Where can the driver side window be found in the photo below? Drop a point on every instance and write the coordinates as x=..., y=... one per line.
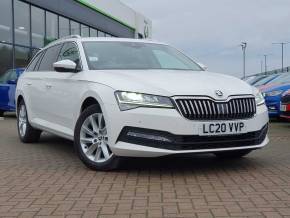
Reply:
x=70, y=51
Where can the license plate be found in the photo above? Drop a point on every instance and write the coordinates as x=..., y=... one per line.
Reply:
x=222, y=128
x=283, y=107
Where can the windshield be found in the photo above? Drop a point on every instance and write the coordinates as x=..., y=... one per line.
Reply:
x=284, y=78
x=257, y=79
x=135, y=55
x=265, y=80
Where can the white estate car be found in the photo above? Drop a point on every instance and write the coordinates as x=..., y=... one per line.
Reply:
x=131, y=98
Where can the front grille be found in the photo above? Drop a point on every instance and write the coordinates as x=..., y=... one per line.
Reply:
x=209, y=109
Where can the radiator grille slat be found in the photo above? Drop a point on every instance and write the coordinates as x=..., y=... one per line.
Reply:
x=207, y=109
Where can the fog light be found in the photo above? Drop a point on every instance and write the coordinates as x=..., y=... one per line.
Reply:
x=147, y=136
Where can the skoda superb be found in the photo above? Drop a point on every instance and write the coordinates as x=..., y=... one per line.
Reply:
x=130, y=98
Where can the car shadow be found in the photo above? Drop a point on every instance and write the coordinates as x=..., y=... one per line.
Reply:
x=51, y=144
x=172, y=163
x=190, y=162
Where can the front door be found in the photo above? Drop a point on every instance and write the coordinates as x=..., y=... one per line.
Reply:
x=62, y=90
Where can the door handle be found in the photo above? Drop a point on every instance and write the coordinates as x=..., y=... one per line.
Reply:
x=28, y=84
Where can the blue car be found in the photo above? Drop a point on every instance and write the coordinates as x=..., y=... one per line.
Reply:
x=273, y=96
x=8, y=83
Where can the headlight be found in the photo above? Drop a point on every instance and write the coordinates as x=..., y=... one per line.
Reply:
x=131, y=100
x=274, y=93
x=259, y=98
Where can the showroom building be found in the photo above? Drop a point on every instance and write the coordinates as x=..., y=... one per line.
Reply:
x=27, y=25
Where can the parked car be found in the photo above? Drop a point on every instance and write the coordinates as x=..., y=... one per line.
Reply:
x=273, y=96
x=253, y=79
x=282, y=79
x=266, y=80
x=285, y=105
x=248, y=78
x=7, y=89
x=123, y=97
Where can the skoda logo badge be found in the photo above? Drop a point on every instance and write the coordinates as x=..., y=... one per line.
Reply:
x=219, y=93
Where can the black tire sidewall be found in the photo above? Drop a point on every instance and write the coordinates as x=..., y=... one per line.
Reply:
x=110, y=164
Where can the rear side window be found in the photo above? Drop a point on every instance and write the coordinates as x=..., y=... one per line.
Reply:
x=33, y=63
x=49, y=58
x=70, y=52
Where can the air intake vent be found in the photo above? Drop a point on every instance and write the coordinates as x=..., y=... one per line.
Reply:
x=208, y=109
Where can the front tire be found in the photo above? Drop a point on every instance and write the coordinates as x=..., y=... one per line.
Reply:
x=1, y=113
x=26, y=132
x=232, y=154
x=91, y=141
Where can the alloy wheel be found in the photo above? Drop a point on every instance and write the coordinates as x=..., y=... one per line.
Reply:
x=22, y=120
x=94, y=139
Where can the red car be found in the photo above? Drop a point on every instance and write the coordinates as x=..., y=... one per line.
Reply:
x=285, y=105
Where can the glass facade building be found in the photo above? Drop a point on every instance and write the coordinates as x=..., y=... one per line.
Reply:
x=27, y=25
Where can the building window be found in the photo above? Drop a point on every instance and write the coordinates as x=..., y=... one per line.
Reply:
x=22, y=23
x=5, y=21
x=93, y=32
x=5, y=58
x=85, y=31
x=74, y=28
x=22, y=56
x=63, y=27
x=37, y=27
x=51, y=27
x=101, y=34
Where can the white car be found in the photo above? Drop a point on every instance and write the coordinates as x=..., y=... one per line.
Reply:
x=131, y=98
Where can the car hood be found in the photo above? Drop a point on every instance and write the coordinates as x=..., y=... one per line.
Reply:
x=171, y=82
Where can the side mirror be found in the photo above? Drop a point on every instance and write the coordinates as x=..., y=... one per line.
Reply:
x=203, y=66
x=65, y=66
x=12, y=82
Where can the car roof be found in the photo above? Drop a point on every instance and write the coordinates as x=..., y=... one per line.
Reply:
x=76, y=38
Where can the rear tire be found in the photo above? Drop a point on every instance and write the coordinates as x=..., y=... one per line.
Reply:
x=26, y=132
x=91, y=141
x=1, y=113
x=232, y=154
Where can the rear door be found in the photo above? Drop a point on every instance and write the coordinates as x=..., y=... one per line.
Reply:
x=31, y=80
x=40, y=88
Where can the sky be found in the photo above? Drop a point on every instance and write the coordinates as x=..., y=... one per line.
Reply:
x=211, y=31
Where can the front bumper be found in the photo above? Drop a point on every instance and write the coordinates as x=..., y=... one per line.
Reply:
x=171, y=122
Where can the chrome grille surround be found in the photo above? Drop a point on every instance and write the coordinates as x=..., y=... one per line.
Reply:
x=207, y=108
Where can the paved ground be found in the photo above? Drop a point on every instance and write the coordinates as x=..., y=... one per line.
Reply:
x=47, y=179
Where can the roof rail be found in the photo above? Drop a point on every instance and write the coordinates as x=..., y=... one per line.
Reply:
x=70, y=37
x=66, y=37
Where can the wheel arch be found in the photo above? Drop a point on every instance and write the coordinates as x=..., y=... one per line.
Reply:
x=89, y=101
x=19, y=99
